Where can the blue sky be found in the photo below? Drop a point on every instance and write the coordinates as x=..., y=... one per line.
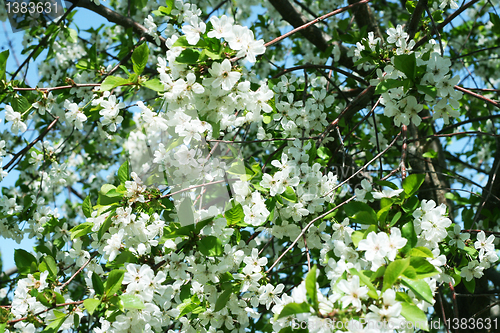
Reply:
x=85, y=19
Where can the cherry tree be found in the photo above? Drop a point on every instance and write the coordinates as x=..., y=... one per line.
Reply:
x=252, y=166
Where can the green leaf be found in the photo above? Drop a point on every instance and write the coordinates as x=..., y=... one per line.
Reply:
x=294, y=308
x=496, y=23
x=394, y=270
x=210, y=246
x=430, y=154
x=408, y=232
x=105, y=226
x=97, y=284
x=235, y=215
x=140, y=58
x=131, y=302
x=188, y=56
x=428, y=90
x=3, y=64
x=81, y=230
x=123, y=173
x=311, y=291
x=182, y=41
x=164, y=11
x=410, y=273
x=114, y=282
x=356, y=236
x=410, y=6
x=407, y=64
x=20, y=104
x=361, y=212
x=414, y=315
x=412, y=183
x=91, y=304
x=421, y=251
x=51, y=265
x=222, y=300
x=395, y=219
x=154, y=84
x=56, y=323
x=23, y=260
x=87, y=207
x=71, y=35
x=470, y=285
x=186, y=307
x=324, y=153
x=423, y=267
x=387, y=84
x=112, y=82
x=289, y=194
x=419, y=287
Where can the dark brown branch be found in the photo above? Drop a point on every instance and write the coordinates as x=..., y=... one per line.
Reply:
x=415, y=18
x=364, y=18
x=119, y=19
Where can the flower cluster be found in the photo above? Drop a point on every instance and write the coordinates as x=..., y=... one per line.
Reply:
x=413, y=79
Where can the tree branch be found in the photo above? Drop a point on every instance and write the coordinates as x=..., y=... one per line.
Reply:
x=119, y=19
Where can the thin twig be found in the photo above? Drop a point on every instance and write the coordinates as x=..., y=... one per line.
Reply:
x=338, y=70
x=28, y=147
x=364, y=166
x=321, y=18
x=305, y=229
x=486, y=99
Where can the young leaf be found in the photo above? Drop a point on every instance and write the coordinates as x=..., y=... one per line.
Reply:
x=294, y=308
x=97, y=284
x=140, y=58
x=222, y=300
x=114, y=281
x=414, y=315
x=361, y=212
x=87, y=207
x=188, y=56
x=387, y=84
x=412, y=183
x=132, y=302
x=407, y=64
x=235, y=215
x=420, y=288
x=311, y=290
x=423, y=267
x=51, y=265
x=210, y=246
x=81, y=230
x=105, y=226
x=123, y=173
x=23, y=260
x=91, y=304
x=154, y=84
x=394, y=271
x=112, y=82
